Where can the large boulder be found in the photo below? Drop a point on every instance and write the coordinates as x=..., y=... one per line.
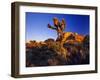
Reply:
x=69, y=37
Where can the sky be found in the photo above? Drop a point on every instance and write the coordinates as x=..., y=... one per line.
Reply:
x=36, y=25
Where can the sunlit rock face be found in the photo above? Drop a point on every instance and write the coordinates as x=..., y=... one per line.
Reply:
x=69, y=37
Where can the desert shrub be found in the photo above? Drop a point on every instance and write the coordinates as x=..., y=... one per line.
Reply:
x=49, y=40
x=54, y=46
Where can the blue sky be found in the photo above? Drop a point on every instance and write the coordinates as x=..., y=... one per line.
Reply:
x=36, y=25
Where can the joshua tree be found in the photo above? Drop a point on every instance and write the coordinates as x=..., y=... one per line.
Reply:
x=59, y=27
